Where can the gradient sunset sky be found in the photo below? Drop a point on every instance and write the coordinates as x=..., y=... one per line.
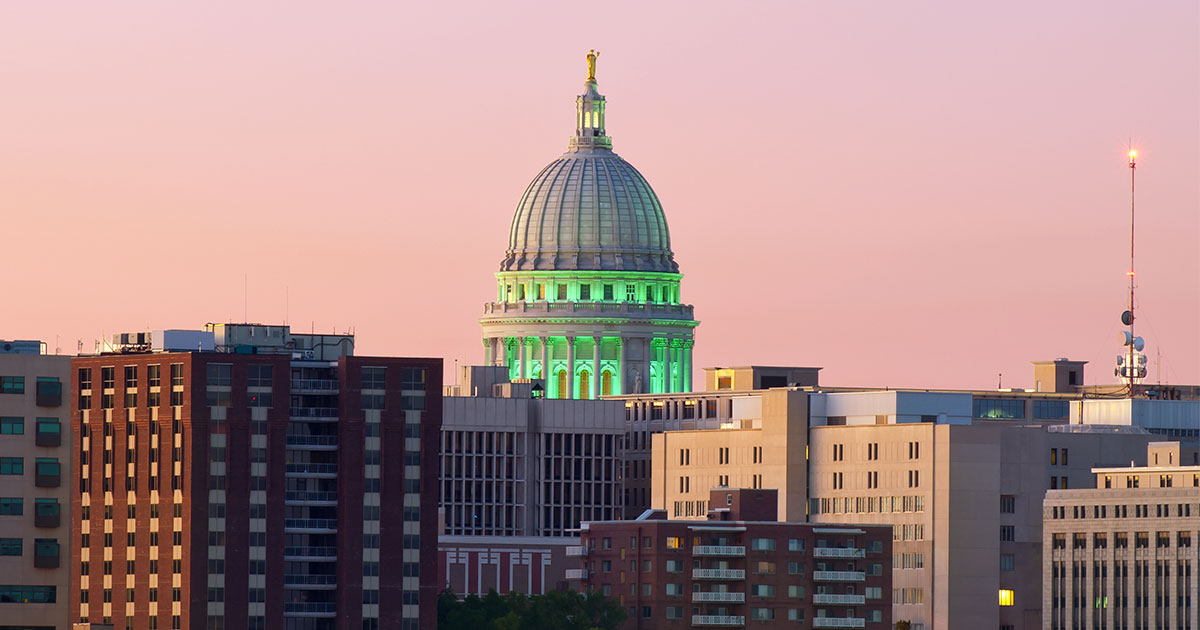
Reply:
x=906, y=193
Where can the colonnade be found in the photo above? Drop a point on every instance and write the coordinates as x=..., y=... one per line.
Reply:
x=616, y=365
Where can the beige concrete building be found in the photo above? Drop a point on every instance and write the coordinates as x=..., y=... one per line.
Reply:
x=1124, y=554
x=35, y=549
x=959, y=476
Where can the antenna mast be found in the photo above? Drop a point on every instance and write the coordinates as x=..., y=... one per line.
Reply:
x=1132, y=365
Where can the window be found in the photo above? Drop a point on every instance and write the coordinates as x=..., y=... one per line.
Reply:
x=762, y=613
x=585, y=292
x=11, y=506
x=766, y=568
x=1007, y=562
x=374, y=378
x=795, y=568
x=1005, y=408
x=220, y=375
x=12, y=466
x=914, y=450
x=795, y=614
x=562, y=292
x=795, y=544
x=674, y=612
x=630, y=293
x=12, y=384
x=1007, y=533
x=1006, y=597
x=1008, y=504
x=762, y=544
x=796, y=591
x=1051, y=409
x=259, y=375
x=608, y=293
x=12, y=426
x=153, y=375
x=28, y=594
x=10, y=546
x=674, y=542
x=763, y=590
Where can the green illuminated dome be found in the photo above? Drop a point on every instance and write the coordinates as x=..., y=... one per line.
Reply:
x=589, y=209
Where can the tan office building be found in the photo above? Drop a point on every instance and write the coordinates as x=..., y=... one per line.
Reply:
x=959, y=479
x=1124, y=554
x=35, y=556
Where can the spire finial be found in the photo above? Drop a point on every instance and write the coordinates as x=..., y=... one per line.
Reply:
x=591, y=61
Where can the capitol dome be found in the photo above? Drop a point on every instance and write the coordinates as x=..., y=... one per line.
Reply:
x=589, y=209
x=588, y=297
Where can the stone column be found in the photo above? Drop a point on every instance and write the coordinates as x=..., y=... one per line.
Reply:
x=596, y=367
x=545, y=363
x=622, y=386
x=668, y=381
x=571, y=367
x=687, y=365
x=487, y=351
x=647, y=348
x=522, y=364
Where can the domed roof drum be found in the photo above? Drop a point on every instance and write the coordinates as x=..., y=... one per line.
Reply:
x=589, y=209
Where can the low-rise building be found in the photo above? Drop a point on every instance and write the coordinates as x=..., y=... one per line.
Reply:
x=1125, y=553
x=738, y=567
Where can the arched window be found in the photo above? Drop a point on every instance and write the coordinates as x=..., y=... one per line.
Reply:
x=585, y=385
x=562, y=384
x=606, y=383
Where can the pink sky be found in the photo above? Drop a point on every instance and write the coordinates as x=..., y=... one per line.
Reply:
x=908, y=194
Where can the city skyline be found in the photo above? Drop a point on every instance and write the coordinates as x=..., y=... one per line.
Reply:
x=867, y=202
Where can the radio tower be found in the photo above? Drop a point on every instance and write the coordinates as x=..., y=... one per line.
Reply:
x=1131, y=366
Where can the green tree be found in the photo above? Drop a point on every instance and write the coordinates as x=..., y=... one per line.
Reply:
x=561, y=610
x=903, y=625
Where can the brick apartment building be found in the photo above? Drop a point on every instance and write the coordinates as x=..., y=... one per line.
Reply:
x=247, y=477
x=740, y=567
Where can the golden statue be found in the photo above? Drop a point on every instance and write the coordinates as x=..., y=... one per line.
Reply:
x=591, y=58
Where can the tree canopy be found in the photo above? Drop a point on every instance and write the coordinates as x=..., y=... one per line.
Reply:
x=565, y=610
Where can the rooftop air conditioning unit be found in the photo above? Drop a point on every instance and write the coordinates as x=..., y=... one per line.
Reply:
x=310, y=355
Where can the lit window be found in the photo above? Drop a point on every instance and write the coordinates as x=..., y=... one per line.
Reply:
x=1006, y=597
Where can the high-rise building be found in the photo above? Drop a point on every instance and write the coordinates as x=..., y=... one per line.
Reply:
x=520, y=472
x=1124, y=554
x=35, y=496
x=517, y=464
x=739, y=566
x=246, y=476
x=958, y=475
x=588, y=293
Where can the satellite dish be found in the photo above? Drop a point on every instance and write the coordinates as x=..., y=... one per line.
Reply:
x=1127, y=318
x=1120, y=359
x=1128, y=338
x=1138, y=344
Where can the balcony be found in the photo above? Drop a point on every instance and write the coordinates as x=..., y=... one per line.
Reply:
x=314, y=442
x=718, y=574
x=314, y=385
x=313, y=413
x=47, y=515
x=47, y=480
x=577, y=551
x=310, y=469
x=310, y=609
x=49, y=393
x=310, y=580
x=839, y=599
x=301, y=525
x=577, y=574
x=504, y=310
x=838, y=552
x=715, y=596
x=839, y=622
x=310, y=554
x=839, y=576
x=47, y=438
x=718, y=620
x=300, y=496
x=728, y=551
